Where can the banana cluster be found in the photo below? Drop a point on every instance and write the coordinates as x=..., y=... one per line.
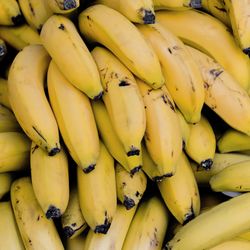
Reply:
x=124, y=125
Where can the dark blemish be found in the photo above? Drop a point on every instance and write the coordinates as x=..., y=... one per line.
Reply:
x=215, y=72
x=54, y=151
x=103, y=229
x=34, y=149
x=88, y=17
x=183, y=144
x=69, y=4
x=178, y=240
x=220, y=9
x=123, y=84
x=17, y=201
x=53, y=212
x=38, y=218
x=206, y=85
x=31, y=9
x=154, y=242
x=124, y=184
x=172, y=153
x=99, y=96
x=196, y=4
x=128, y=202
x=167, y=101
x=160, y=178
x=68, y=232
x=149, y=17
x=39, y=133
x=135, y=170
x=30, y=242
x=189, y=216
x=137, y=194
x=133, y=151
x=207, y=164
x=170, y=51
x=73, y=224
x=247, y=51
x=89, y=168
x=61, y=27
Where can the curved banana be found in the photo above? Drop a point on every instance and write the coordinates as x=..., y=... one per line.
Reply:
x=233, y=245
x=10, y=13
x=50, y=180
x=15, y=150
x=115, y=237
x=75, y=119
x=163, y=132
x=3, y=49
x=183, y=78
x=28, y=100
x=122, y=99
x=63, y=6
x=203, y=32
x=111, y=141
x=9, y=234
x=180, y=192
x=129, y=188
x=148, y=227
x=73, y=223
x=176, y=5
x=77, y=243
x=97, y=193
x=201, y=144
x=4, y=93
x=8, y=122
x=5, y=183
x=137, y=11
x=100, y=23
x=36, y=230
x=76, y=62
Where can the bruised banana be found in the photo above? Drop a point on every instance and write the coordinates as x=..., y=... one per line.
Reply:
x=5, y=183
x=63, y=6
x=4, y=93
x=10, y=13
x=176, y=5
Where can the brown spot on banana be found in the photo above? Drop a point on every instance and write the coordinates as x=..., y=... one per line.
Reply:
x=61, y=27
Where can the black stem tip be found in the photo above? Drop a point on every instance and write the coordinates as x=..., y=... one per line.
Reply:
x=54, y=151
x=135, y=170
x=99, y=96
x=68, y=232
x=69, y=4
x=102, y=229
x=188, y=217
x=89, y=168
x=247, y=51
x=53, y=212
x=133, y=151
x=149, y=17
x=18, y=20
x=128, y=202
x=207, y=164
x=160, y=178
x=195, y=4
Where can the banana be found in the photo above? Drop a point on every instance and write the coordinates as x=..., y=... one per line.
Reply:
x=15, y=149
x=75, y=119
x=4, y=95
x=148, y=227
x=122, y=99
x=163, y=136
x=183, y=77
x=50, y=180
x=111, y=141
x=10, y=13
x=20, y=36
x=203, y=31
x=185, y=128
x=75, y=62
x=220, y=223
x=73, y=223
x=35, y=12
x=238, y=12
x=97, y=193
x=3, y=49
x=117, y=232
x=137, y=11
x=9, y=234
x=5, y=183
x=129, y=188
x=8, y=122
x=217, y=9
x=176, y=5
x=180, y=192
x=36, y=230
x=100, y=23
x=28, y=100
x=77, y=243
x=233, y=245
x=201, y=144
x=223, y=94
x=63, y=6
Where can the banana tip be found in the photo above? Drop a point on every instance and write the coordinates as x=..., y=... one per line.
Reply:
x=53, y=212
x=149, y=17
x=102, y=229
x=68, y=232
x=54, y=151
x=247, y=51
x=89, y=168
x=207, y=164
x=128, y=202
x=18, y=20
x=99, y=96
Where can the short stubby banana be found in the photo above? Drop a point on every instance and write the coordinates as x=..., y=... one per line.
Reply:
x=67, y=49
x=176, y=5
x=5, y=183
x=163, y=135
x=28, y=100
x=63, y=6
x=10, y=13
x=75, y=119
x=203, y=32
x=100, y=23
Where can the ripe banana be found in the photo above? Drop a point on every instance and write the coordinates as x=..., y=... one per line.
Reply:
x=10, y=13
x=20, y=36
x=201, y=144
x=77, y=243
x=4, y=95
x=148, y=227
x=233, y=245
x=50, y=180
x=36, y=230
x=183, y=78
x=28, y=100
x=180, y=192
x=73, y=223
x=122, y=99
x=5, y=183
x=220, y=223
x=15, y=149
x=8, y=122
x=97, y=193
x=3, y=49
x=63, y=6
x=100, y=23
x=71, y=56
x=9, y=233
x=129, y=188
x=137, y=11
x=75, y=119
x=163, y=136
x=203, y=31
x=176, y=5
x=115, y=237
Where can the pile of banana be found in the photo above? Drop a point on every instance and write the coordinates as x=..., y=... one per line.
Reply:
x=124, y=125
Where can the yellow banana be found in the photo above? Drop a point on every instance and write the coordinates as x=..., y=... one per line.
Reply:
x=122, y=99
x=97, y=193
x=28, y=100
x=100, y=23
x=73, y=223
x=4, y=95
x=10, y=13
x=50, y=180
x=8, y=122
x=183, y=78
x=15, y=149
x=3, y=49
x=148, y=227
x=115, y=237
x=175, y=5
x=203, y=31
x=5, y=183
x=129, y=188
x=77, y=243
x=233, y=245
x=63, y=6
x=75, y=119
x=111, y=141
x=180, y=192
x=9, y=234
x=137, y=11
x=75, y=62
x=20, y=36
x=163, y=132
x=36, y=230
